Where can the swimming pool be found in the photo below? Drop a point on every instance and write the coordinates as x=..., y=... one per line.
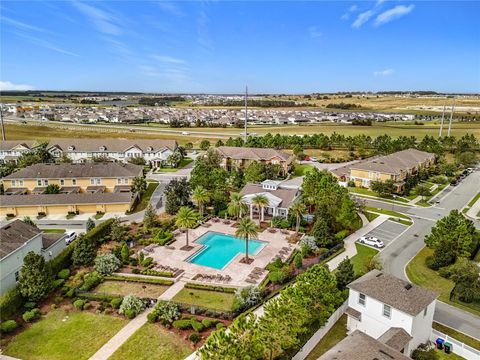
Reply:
x=220, y=249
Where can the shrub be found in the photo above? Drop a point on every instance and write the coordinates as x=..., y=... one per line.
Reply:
x=210, y=288
x=219, y=326
x=147, y=261
x=107, y=264
x=136, y=271
x=277, y=276
x=246, y=298
x=87, y=306
x=116, y=302
x=140, y=280
x=91, y=280
x=78, y=304
x=298, y=259
x=446, y=271
x=194, y=338
x=206, y=323
x=31, y=315
x=57, y=300
x=61, y=261
x=57, y=283
x=131, y=305
x=151, y=317
x=70, y=293
x=166, y=312
x=197, y=326
x=64, y=274
x=308, y=244
x=11, y=302
x=431, y=263
x=183, y=324
x=53, y=306
x=30, y=305
x=424, y=354
x=152, y=272
x=8, y=326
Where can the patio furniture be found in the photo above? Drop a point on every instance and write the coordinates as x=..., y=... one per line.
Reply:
x=284, y=232
x=170, y=247
x=272, y=230
x=216, y=220
x=227, y=278
x=226, y=222
x=254, y=276
x=250, y=281
x=257, y=272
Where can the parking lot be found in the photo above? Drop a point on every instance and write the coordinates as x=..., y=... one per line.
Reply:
x=387, y=231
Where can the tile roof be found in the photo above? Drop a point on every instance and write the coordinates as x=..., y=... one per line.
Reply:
x=360, y=346
x=113, y=145
x=14, y=235
x=64, y=199
x=65, y=171
x=287, y=196
x=252, y=153
x=399, y=294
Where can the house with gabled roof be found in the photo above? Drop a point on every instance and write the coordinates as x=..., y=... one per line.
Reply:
x=11, y=150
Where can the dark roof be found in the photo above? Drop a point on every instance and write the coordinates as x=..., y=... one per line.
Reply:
x=7, y=145
x=50, y=239
x=15, y=234
x=360, y=346
x=393, y=291
x=113, y=145
x=65, y=171
x=64, y=199
x=396, y=338
x=252, y=153
x=353, y=313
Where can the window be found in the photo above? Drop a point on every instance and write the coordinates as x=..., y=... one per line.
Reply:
x=387, y=311
x=45, y=182
x=39, y=182
x=95, y=181
x=362, y=299
x=62, y=182
x=74, y=181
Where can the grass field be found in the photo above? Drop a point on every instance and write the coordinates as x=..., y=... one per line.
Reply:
x=56, y=337
x=147, y=195
x=205, y=298
x=336, y=334
x=421, y=275
x=152, y=341
x=363, y=257
x=123, y=288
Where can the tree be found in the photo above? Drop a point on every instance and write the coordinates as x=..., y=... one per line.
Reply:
x=236, y=206
x=322, y=233
x=345, y=274
x=422, y=190
x=125, y=253
x=255, y=172
x=348, y=216
x=452, y=237
x=383, y=188
x=52, y=189
x=28, y=220
x=107, y=264
x=246, y=230
x=200, y=196
x=149, y=217
x=297, y=210
x=89, y=225
x=84, y=251
x=177, y=194
x=175, y=159
x=260, y=201
x=35, y=280
x=117, y=230
x=186, y=219
x=466, y=277
x=131, y=306
x=466, y=159
x=137, y=160
x=204, y=144
x=139, y=185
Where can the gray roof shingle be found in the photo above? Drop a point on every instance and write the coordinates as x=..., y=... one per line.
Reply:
x=64, y=199
x=252, y=153
x=14, y=235
x=113, y=145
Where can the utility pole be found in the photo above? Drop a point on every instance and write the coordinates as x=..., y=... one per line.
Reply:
x=441, y=124
x=451, y=117
x=246, y=117
x=1, y=121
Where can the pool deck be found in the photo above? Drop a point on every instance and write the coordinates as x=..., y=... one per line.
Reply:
x=175, y=257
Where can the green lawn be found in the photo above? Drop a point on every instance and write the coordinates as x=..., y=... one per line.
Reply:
x=363, y=257
x=457, y=335
x=301, y=169
x=387, y=212
x=123, y=288
x=336, y=334
x=474, y=200
x=53, y=231
x=368, y=192
x=420, y=274
x=441, y=355
x=142, y=204
x=370, y=216
x=182, y=164
x=152, y=341
x=401, y=221
x=209, y=299
x=76, y=338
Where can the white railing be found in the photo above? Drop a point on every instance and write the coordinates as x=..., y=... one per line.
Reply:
x=313, y=341
x=458, y=347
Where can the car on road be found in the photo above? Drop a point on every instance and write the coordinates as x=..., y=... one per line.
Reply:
x=185, y=133
x=454, y=182
x=470, y=170
x=71, y=236
x=372, y=241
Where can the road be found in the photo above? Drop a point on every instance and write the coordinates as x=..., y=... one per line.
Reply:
x=396, y=256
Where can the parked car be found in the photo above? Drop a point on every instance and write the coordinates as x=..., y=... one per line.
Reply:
x=71, y=236
x=454, y=182
x=185, y=133
x=372, y=241
x=470, y=170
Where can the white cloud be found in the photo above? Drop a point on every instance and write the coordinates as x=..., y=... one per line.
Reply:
x=168, y=59
x=171, y=8
x=393, y=13
x=314, y=32
x=7, y=85
x=103, y=21
x=362, y=18
x=46, y=44
x=383, y=73
x=352, y=9
x=21, y=25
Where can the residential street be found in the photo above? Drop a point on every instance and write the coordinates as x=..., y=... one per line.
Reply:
x=397, y=255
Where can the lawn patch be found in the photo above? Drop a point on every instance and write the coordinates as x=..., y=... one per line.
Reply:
x=53, y=231
x=363, y=257
x=208, y=299
x=370, y=216
x=78, y=337
x=302, y=169
x=387, y=212
x=336, y=334
x=142, y=204
x=123, y=288
x=457, y=335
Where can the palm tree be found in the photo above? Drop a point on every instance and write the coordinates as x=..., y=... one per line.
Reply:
x=236, y=206
x=260, y=201
x=139, y=185
x=200, y=196
x=298, y=209
x=186, y=219
x=246, y=230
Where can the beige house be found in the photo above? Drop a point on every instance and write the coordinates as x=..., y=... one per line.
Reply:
x=241, y=157
x=73, y=178
x=396, y=167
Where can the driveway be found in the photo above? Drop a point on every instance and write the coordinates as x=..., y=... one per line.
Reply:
x=388, y=231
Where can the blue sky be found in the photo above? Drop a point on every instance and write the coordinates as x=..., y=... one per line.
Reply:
x=219, y=46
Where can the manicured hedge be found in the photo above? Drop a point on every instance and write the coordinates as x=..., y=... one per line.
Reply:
x=152, y=272
x=210, y=288
x=96, y=297
x=100, y=231
x=140, y=280
x=61, y=261
x=8, y=326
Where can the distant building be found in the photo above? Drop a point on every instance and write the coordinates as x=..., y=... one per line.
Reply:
x=241, y=157
x=11, y=150
x=391, y=310
x=17, y=240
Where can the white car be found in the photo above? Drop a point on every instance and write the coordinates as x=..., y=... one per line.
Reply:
x=71, y=236
x=372, y=241
x=185, y=133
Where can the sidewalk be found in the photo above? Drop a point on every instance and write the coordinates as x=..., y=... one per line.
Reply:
x=474, y=210
x=128, y=330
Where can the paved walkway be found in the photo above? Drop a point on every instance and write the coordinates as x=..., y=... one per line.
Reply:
x=128, y=330
x=474, y=210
